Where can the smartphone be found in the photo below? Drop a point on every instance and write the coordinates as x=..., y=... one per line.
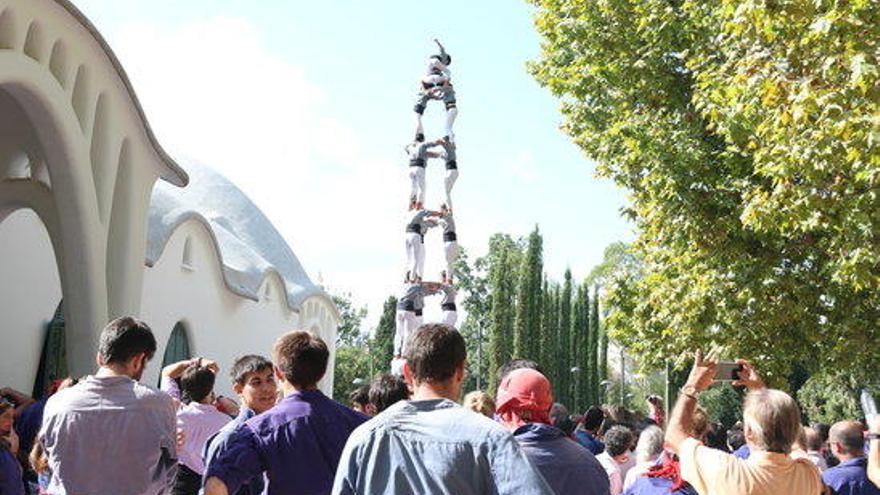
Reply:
x=728, y=371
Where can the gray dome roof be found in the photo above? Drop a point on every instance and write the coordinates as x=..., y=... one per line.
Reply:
x=249, y=247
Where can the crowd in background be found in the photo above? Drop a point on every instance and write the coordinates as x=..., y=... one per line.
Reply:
x=108, y=434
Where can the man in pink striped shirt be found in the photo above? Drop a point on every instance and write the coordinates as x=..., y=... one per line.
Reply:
x=197, y=416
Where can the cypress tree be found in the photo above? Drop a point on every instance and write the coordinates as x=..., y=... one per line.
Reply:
x=502, y=283
x=603, y=357
x=564, y=332
x=593, y=350
x=528, y=299
x=548, y=335
x=382, y=347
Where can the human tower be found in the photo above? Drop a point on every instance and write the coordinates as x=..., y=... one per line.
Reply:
x=434, y=85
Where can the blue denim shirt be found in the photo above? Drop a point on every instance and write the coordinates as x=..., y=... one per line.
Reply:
x=850, y=478
x=435, y=447
x=569, y=468
x=220, y=443
x=297, y=444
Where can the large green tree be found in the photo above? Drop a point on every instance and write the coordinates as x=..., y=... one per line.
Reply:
x=351, y=363
x=747, y=135
x=504, y=259
x=473, y=285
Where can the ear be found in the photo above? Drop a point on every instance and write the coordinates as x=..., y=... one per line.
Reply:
x=99, y=360
x=237, y=388
x=408, y=374
x=279, y=375
x=370, y=409
x=460, y=372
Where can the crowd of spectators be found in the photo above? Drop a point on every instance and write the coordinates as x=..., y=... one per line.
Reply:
x=108, y=434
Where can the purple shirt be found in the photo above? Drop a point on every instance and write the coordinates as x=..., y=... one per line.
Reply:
x=850, y=478
x=28, y=424
x=568, y=468
x=297, y=444
x=646, y=485
x=10, y=474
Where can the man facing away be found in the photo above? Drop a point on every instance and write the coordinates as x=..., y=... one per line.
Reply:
x=108, y=434
x=430, y=444
x=772, y=423
x=297, y=443
x=850, y=477
x=588, y=432
x=253, y=380
x=524, y=401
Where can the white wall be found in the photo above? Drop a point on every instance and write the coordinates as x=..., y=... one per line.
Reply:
x=29, y=293
x=220, y=324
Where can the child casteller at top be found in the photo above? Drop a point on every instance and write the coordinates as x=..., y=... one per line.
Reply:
x=436, y=84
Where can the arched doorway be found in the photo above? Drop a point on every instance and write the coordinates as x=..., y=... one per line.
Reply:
x=29, y=296
x=177, y=348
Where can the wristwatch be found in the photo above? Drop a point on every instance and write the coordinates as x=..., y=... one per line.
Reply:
x=872, y=436
x=690, y=391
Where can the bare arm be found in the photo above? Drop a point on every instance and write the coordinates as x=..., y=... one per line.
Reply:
x=702, y=376
x=874, y=454
x=174, y=370
x=215, y=486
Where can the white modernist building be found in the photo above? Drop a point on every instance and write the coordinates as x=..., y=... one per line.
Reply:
x=94, y=213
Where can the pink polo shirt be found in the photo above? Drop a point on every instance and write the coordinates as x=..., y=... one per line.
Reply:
x=199, y=423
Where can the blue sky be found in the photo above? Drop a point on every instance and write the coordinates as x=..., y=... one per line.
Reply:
x=307, y=107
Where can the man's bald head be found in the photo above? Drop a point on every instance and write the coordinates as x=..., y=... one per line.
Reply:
x=847, y=439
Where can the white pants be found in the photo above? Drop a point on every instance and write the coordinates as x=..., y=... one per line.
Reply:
x=405, y=324
x=450, y=318
x=449, y=181
x=451, y=251
x=451, y=114
x=415, y=254
x=417, y=183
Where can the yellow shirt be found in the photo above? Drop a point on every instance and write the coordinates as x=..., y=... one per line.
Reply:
x=712, y=472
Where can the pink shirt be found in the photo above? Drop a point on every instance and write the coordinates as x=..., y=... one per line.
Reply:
x=199, y=422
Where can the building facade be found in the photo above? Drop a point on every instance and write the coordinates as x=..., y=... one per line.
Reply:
x=94, y=213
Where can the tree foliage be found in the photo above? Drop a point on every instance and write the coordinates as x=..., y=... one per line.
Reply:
x=723, y=404
x=503, y=260
x=747, y=135
x=528, y=299
x=349, y=331
x=829, y=397
x=563, y=370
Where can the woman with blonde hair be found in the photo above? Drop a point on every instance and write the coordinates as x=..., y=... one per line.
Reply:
x=480, y=402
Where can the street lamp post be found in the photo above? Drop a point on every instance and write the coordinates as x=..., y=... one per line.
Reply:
x=479, y=354
x=576, y=371
x=622, y=376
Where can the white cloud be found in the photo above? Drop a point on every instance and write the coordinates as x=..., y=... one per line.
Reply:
x=214, y=91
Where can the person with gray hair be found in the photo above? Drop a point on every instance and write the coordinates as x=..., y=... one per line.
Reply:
x=850, y=477
x=772, y=423
x=648, y=450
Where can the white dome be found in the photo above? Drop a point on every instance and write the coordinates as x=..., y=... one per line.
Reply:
x=248, y=245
